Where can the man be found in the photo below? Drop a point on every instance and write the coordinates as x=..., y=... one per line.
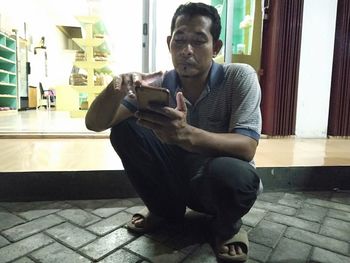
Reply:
x=197, y=152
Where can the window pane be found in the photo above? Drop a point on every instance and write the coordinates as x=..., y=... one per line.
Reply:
x=123, y=21
x=243, y=20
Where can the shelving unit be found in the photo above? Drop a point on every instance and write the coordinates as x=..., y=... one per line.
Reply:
x=8, y=75
x=89, y=44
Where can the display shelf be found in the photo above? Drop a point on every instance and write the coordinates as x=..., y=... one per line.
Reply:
x=88, y=19
x=8, y=96
x=89, y=44
x=86, y=89
x=8, y=74
x=91, y=64
x=93, y=42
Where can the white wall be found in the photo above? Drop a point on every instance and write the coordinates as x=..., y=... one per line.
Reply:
x=315, y=71
x=41, y=18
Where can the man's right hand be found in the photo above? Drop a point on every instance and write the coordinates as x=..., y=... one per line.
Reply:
x=106, y=110
x=127, y=82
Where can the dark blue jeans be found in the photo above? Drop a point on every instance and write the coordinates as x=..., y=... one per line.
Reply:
x=168, y=179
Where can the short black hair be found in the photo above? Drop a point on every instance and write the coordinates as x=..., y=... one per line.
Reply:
x=193, y=9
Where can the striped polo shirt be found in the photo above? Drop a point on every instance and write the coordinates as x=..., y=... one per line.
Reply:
x=229, y=103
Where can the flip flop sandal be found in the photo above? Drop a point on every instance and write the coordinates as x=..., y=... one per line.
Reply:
x=241, y=239
x=151, y=222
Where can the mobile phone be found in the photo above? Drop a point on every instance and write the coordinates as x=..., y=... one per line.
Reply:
x=148, y=96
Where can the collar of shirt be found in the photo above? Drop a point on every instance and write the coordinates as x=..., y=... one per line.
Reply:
x=171, y=80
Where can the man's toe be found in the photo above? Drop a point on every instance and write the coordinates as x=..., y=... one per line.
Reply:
x=232, y=251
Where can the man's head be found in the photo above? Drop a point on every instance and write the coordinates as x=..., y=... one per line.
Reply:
x=194, y=9
x=194, y=40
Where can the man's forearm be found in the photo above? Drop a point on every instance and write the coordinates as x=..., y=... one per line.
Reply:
x=103, y=110
x=219, y=144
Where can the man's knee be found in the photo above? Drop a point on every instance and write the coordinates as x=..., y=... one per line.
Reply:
x=227, y=172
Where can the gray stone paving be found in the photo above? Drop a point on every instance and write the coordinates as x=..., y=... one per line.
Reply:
x=282, y=227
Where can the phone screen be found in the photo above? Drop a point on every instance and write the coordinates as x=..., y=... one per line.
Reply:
x=147, y=96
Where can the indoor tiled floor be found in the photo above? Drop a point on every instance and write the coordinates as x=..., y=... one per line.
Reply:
x=41, y=121
x=52, y=141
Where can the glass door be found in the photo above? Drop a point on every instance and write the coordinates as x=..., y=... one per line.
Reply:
x=123, y=22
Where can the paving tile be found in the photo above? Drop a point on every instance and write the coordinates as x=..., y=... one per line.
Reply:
x=3, y=242
x=164, y=233
x=267, y=233
x=23, y=247
x=71, y=235
x=203, y=254
x=274, y=207
x=8, y=220
x=254, y=216
x=107, y=244
x=185, y=242
x=19, y=207
x=339, y=214
x=292, y=200
x=121, y=255
x=341, y=198
x=194, y=231
x=312, y=213
x=43, y=210
x=325, y=256
x=23, y=260
x=318, y=240
x=136, y=201
x=259, y=252
x=154, y=251
x=57, y=253
x=89, y=205
x=79, y=216
x=109, y=224
x=134, y=209
x=322, y=195
x=292, y=221
x=247, y=228
x=289, y=250
x=188, y=242
x=343, y=235
x=271, y=197
x=328, y=204
x=336, y=223
x=112, y=207
x=31, y=227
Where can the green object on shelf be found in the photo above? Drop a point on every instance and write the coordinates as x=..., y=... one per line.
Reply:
x=8, y=72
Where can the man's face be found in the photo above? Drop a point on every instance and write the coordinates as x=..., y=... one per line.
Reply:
x=191, y=46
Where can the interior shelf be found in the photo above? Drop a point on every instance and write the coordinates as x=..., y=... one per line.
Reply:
x=92, y=43
x=8, y=74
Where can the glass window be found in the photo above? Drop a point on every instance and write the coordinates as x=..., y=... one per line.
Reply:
x=243, y=21
x=123, y=21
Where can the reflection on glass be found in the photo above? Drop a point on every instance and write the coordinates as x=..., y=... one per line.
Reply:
x=243, y=20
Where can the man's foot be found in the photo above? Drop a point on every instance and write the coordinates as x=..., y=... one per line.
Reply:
x=234, y=249
x=144, y=222
x=231, y=249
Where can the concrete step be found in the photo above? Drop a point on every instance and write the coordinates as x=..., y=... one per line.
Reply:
x=60, y=185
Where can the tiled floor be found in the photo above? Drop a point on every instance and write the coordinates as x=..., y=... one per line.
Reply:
x=43, y=121
x=282, y=227
x=52, y=141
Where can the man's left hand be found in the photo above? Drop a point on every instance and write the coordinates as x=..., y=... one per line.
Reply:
x=170, y=125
